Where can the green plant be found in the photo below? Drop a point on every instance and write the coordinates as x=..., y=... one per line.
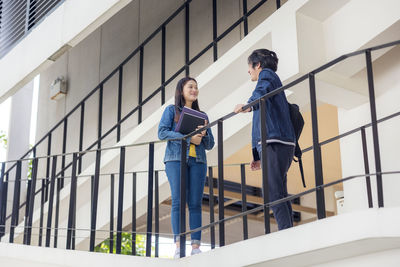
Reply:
x=126, y=245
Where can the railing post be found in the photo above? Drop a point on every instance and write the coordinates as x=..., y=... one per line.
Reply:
x=163, y=55
x=15, y=211
x=182, y=216
x=156, y=214
x=375, y=137
x=31, y=201
x=366, y=167
x=187, y=31
x=134, y=213
x=140, y=94
x=221, y=206
x=319, y=180
x=244, y=201
x=120, y=199
x=264, y=164
x=3, y=201
x=81, y=128
x=46, y=193
x=150, y=200
x=245, y=23
x=72, y=202
x=119, y=107
x=278, y=4
x=215, y=32
x=112, y=214
x=95, y=195
x=100, y=117
x=211, y=205
x=51, y=199
x=64, y=150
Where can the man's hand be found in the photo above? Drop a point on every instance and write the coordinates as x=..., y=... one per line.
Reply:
x=255, y=165
x=239, y=108
x=196, y=139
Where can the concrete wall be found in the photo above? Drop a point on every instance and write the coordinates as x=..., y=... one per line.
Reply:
x=387, y=86
x=95, y=57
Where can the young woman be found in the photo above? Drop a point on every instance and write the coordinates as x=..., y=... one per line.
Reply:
x=186, y=94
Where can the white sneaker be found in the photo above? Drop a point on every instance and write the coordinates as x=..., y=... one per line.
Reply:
x=177, y=254
x=195, y=251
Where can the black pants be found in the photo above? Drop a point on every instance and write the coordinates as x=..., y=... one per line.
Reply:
x=279, y=158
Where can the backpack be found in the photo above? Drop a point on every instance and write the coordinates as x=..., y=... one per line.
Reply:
x=298, y=124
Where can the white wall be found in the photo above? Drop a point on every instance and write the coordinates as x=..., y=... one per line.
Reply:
x=387, y=86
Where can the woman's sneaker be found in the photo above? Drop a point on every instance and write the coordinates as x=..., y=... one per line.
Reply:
x=177, y=254
x=195, y=251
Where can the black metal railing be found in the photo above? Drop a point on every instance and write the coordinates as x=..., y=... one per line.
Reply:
x=153, y=180
x=18, y=17
x=119, y=70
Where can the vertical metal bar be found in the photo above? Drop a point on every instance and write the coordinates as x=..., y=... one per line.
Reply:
x=319, y=180
x=46, y=194
x=95, y=196
x=51, y=199
x=366, y=167
x=112, y=214
x=64, y=150
x=244, y=201
x=215, y=32
x=57, y=214
x=264, y=165
x=245, y=22
x=156, y=214
x=28, y=191
x=221, y=206
x=134, y=213
x=182, y=216
x=187, y=16
x=81, y=128
x=15, y=211
x=375, y=136
x=140, y=95
x=120, y=199
x=42, y=199
x=163, y=55
x=119, y=103
x=2, y=201
x=150, y=200
x=211, y=205
x=278, y=4
x=31, y=201
x=100, y=118
x=72, y=202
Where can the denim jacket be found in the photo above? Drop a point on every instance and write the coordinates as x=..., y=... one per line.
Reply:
x=166, y=130
x=279, y=125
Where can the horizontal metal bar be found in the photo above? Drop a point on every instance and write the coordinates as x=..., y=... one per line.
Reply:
x=286, y=199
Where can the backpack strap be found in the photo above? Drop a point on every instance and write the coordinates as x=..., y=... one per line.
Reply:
x=302, y=171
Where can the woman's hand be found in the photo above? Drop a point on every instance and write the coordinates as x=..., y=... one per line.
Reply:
x=196, y=139
x=203, y=133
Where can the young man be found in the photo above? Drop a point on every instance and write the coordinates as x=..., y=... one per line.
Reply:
x=263, y=64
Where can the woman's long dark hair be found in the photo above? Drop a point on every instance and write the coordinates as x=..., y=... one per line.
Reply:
x=180, y=100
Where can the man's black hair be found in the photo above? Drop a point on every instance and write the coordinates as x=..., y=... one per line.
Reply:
x=265, y=57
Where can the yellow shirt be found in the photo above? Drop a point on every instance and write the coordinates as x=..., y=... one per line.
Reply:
x=192, y=151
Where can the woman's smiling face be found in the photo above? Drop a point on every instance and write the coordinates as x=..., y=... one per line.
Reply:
x=190, y=91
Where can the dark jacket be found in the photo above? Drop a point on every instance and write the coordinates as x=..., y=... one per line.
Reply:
x=279, y=126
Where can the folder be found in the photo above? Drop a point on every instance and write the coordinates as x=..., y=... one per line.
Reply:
x=189, y=120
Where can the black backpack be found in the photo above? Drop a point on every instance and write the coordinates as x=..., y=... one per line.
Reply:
x=298, y=124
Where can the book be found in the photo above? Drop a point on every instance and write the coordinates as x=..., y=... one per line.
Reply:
x=189, y=120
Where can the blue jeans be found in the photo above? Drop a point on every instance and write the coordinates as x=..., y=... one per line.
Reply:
x=279, y=158
x=195, y=179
